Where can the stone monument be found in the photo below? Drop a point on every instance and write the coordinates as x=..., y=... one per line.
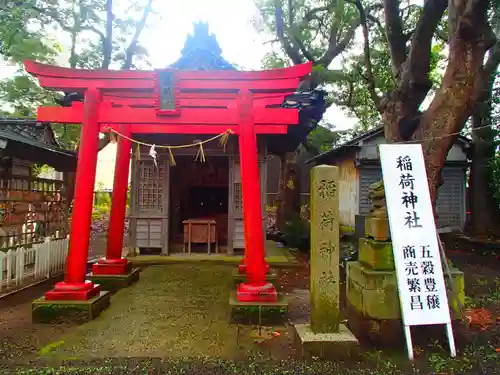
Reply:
x=325, y=335
x=372, y=292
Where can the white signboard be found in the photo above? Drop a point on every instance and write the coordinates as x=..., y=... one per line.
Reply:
x=419, y=271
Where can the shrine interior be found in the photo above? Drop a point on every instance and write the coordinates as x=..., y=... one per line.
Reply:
x=200, y=190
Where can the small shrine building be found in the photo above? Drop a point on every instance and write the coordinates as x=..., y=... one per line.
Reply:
x=196, y=136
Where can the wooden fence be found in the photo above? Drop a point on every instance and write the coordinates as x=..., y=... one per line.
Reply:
x=23, y=266
x=30, y=210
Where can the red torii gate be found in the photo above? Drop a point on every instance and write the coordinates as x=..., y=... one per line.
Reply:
x=165, y=102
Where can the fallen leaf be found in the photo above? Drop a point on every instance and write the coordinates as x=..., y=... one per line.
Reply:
x=481, y=318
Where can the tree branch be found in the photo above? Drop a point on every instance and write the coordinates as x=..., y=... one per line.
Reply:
x=129, y=52
x=334, y=48
x=491, y=65
x=295, y=33
x=394, y=32
x=311, y=14
x=367, y=58
x=290, y=50
x=107, y=42
x=415, y=74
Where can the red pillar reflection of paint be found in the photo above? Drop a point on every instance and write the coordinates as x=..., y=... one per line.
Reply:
x=74, y=286
x=113, y=263
x=255, y=289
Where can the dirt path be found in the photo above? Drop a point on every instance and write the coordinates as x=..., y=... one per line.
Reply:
x=174, y=311
x=19, y=338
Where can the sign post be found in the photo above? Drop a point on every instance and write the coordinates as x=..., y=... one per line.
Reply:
x=421, y=285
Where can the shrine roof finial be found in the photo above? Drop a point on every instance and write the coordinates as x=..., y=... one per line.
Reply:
x=201, y=51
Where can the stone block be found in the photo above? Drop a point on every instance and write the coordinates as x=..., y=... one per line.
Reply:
x=377, y=228
x=44, y=311
x=341, y=345
x=258, y=313
x=374, y=293
x=376, y=254
x=113, y=283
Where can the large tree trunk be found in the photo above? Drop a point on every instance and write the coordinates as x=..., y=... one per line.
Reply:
x=289, y=190
x=437, y=128
x=485, y=212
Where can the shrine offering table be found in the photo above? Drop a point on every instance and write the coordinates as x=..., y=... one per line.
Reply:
x=200, y=231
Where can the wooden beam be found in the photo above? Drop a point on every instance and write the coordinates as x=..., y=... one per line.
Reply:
x=70, y=84
x=45, y=70
x=60, y=115
x=193, y=129
x=125, y=95
x=194, y=116
x=37, y=69
x=263, y=85
x=192, y=102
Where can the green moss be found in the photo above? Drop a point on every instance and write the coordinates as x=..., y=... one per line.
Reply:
x=346, y=229
x=51, y=347
x=59, y=313
x=325, y=315
x=377, y=255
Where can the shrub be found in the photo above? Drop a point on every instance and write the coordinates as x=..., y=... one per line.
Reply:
x=296, y=232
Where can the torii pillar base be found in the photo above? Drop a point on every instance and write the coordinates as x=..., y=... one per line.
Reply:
x=73, y=292
x=256, y=292
x=120, y=266
x=113, y=274
x=66, y=311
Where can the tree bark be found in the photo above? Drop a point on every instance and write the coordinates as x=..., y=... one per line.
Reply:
x=484, y=210
x=437, y=128
x=289, y=190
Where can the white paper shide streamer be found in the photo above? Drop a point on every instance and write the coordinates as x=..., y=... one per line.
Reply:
x=153, y=153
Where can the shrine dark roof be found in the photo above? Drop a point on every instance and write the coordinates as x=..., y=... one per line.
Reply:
x=357, y=142
x=201, y=52
x=30, y=140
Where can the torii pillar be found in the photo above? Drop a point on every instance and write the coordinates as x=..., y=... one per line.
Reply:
x=113, y=271
x=256, y=288
x=75, y=287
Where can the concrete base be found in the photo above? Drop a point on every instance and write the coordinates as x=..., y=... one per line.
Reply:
x=335, y=345
x=257, y=313
x=44, y=311
x=389, y=333
x=239, y=278
x=113, y=283
x=375, y=293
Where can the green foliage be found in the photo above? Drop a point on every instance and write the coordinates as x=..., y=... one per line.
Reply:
x=28, y=30
x=67, y=135
x=39, y=169
x=102, y=202
x=296, y=231
x=322, y=139
x=20, y=39
x=24, y=95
